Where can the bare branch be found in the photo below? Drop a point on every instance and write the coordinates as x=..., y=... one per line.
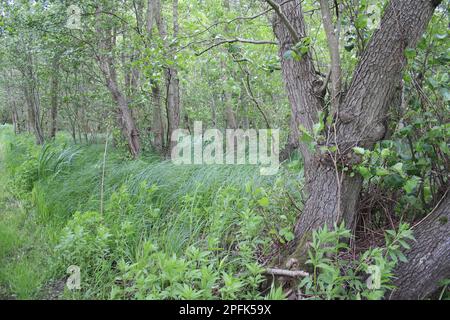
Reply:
x=234, y=41
x=286, y=273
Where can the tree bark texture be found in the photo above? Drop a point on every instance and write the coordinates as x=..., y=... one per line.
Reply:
x=361, y=117
x=429, y=256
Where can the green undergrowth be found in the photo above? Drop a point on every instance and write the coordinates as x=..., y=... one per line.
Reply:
x=149, y=229
x=25, y=248
x=166, y=231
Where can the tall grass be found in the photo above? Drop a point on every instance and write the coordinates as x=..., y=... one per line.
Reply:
x=177, y=208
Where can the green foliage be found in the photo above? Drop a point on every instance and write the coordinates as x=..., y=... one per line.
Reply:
x=207, y=226
x=336, y=275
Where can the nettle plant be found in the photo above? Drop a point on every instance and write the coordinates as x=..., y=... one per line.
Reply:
x=337, y=275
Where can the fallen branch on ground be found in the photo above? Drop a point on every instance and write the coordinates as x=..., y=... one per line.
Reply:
x=286, y=273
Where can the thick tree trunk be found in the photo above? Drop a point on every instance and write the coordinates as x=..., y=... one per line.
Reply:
x=292, y=143
x=429, y=257
x=361, y=117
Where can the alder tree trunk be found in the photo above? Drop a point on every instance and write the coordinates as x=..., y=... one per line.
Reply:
x=429, y=256
x=32, y=99
x=106, y=62
x=359, y=120
x=157, y=126
x=173, y=87
x=292, y=140
x=230, y=115
x=54, y=96
x=172, y=104
x=153, y=14
x=173, y=109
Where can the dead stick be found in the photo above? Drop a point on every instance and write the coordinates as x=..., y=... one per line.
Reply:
x=286, y=273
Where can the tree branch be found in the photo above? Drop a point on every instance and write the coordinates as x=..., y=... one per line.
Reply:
x=276, y=7
x=286, y=273
x=333, y=47
x=234, y=41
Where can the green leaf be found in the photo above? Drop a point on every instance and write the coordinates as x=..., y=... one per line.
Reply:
x=404, y=244
x=359, y=150
x=364, y=172
x=398, y=167
x=410, y=53
x=361, y=21
x=402, y=257
x=411, y=185
x=289, y=54
x=263, y=202
x=381, y=172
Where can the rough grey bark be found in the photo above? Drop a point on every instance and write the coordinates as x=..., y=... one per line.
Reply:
x=292, y=140
x=172, y=103
x=429, y=257
x=301, y=84
x=360, y=118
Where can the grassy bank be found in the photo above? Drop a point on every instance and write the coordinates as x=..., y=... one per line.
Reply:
x=165, y=231
x=25, y=246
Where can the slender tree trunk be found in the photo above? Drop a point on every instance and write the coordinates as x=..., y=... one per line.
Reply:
x=230, y=116
x=158, y=126
x=33, y=114
x=54, y=96
x=173, y=110
x=172, y=103
x=173, y=84
x=15, y=119
x=33, y=101
x=106, y=63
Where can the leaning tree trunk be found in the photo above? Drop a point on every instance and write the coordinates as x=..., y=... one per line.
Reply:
x=360, y=120
x=105, y=59
x=429, y=257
